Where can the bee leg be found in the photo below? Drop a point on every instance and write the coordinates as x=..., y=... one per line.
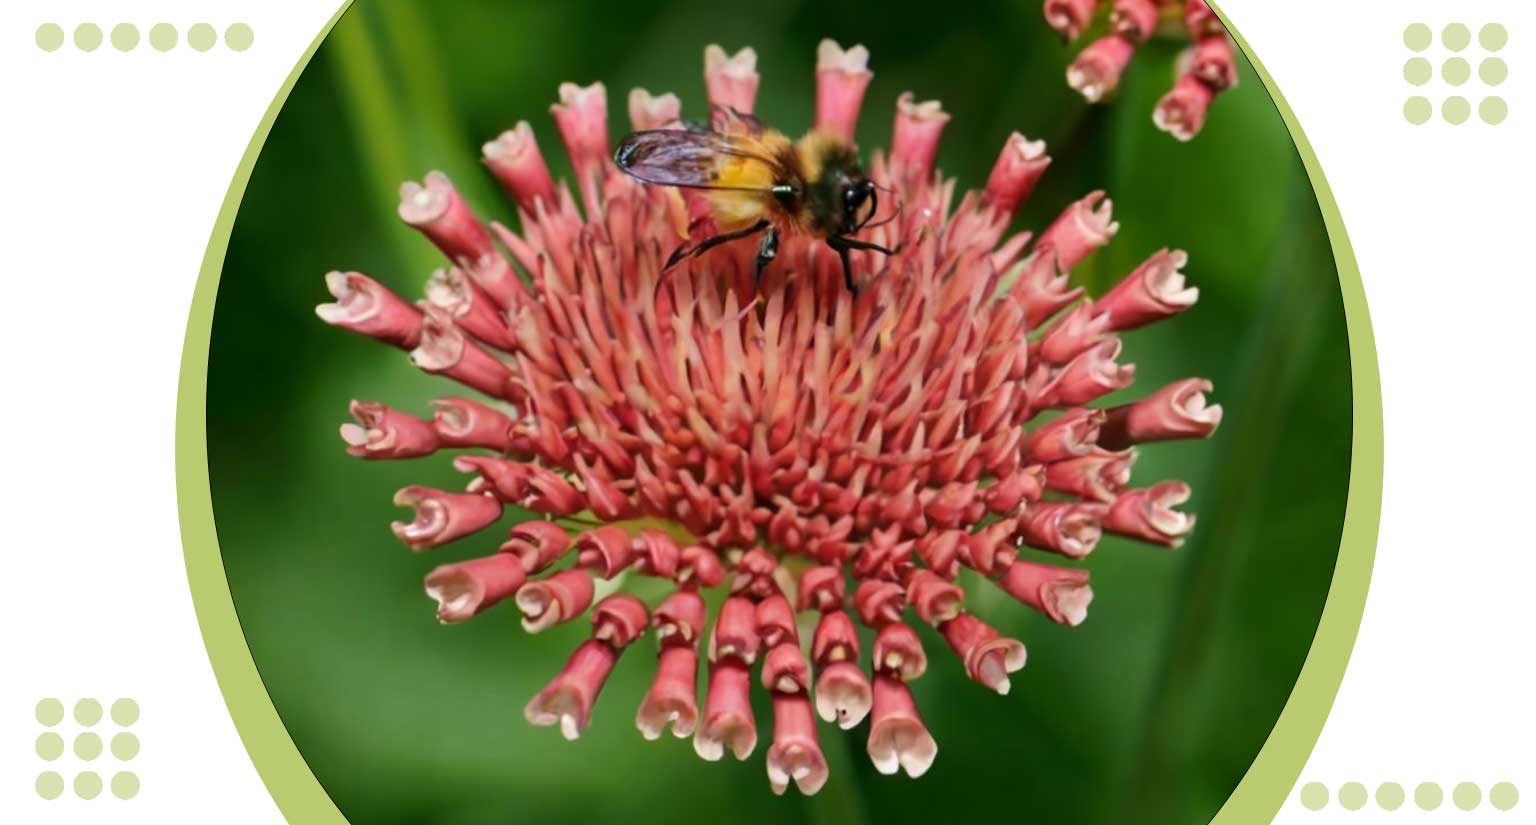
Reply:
x=850, y=243
x=848, y=271
x=840, y=244
x=703, y=246
x=767, y=250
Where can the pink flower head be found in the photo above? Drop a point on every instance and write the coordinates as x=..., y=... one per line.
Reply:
x=1209, y=66
x=826, y=458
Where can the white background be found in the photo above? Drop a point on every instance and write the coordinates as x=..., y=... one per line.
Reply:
x=116, y=165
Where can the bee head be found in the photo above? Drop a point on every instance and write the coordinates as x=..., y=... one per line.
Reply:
x=856, y=193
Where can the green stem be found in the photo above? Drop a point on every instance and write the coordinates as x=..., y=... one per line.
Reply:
x=368, y=105
x=427, y=96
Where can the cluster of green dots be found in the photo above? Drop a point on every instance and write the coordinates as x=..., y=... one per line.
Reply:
x=1427, y=796
x=87, y=747
x=1456, y=71
x=162, y=37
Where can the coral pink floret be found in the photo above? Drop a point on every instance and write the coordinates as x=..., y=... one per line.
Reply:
x=568, y=700
x=898, y=740
x=796, y=751
x=465, y=589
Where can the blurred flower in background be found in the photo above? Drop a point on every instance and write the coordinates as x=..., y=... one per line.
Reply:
x=814, y=451
x=1205, y=69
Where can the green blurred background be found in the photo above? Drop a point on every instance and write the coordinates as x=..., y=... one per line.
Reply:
x=1150, y=712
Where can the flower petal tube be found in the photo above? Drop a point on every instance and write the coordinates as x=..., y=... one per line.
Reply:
x=827, y=458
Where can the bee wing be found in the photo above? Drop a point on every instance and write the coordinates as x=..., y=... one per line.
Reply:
x=677, y=157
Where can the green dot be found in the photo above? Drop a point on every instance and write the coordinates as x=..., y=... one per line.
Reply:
x=163, y=37
x=202, y=37
x=49, y=37
x=1455, y=37
x=1492, y=71
x=239, y=37
x=87, y=37
x=87, y=746
x=1417, y=37
x=1389, y=795
x=87, y=712
x=87, y=785
x=1503, y=795
x=49, y=785
x=1314, y=796
x=1456, y=110
x=1493, y=110
x=125, y=746
x=125, y=37
x=1467, y=796
x=1428, y=796
x=1417, y=110
x=50, y=746
x=1352, y=796
x=125, y=785
x=1493, y=37
x=125, y=712
x=1418, y=71
x=1455, y=71
x=50, y=712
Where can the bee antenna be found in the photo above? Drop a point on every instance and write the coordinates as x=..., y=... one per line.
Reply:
x=891, y=217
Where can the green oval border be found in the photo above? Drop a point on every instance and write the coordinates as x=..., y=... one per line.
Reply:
x=1268, y=781
x=298, y=793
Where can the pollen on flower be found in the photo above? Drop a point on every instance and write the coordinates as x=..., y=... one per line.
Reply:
x=827, y=458
x=1206, y=68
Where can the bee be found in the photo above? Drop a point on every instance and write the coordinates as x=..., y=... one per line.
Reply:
x=757, y=181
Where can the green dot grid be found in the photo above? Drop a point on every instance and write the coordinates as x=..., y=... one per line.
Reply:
x=162, y=37
x=1427, y=796
x=87, y=745
x=1458, y=68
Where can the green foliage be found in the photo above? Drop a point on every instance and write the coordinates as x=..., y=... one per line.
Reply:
x=1149, y=712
